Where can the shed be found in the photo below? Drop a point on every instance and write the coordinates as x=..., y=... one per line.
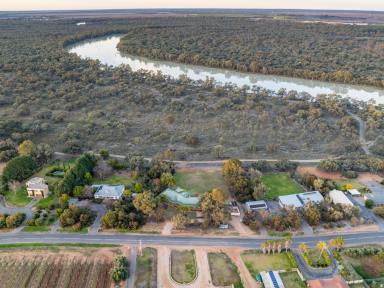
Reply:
x=256, y=205
x=338, y=197
x=354, y=192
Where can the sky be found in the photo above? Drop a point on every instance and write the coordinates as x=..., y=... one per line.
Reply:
x=377, y=5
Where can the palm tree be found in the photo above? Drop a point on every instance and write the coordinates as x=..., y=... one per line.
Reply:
x=264, y=247
x=303, y=247
x=279, y=245
x=287, y=243
x=273, y=247
x=321, y=246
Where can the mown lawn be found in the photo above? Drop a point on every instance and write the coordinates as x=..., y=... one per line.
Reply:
x=18, y=198
x=183, y=266
x=257, y=262
x=200, y=181
x=280, y=184
x=146, y=271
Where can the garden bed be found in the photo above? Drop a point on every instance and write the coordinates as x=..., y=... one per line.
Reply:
x=183, y=266
x=223, y=271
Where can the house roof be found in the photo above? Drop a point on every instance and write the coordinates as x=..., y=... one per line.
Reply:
x=354, y=192
x=109, y=191
x=291, y=200
x=338, y=197
x=299, y=200
x=313, y=196
x=36, y=183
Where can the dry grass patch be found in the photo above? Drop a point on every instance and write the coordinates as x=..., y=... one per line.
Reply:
x=223, y=271
x=146, y=271
x=183, y=266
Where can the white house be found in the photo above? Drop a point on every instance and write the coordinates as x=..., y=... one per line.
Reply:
x=113, y=192
x=37, y=188
x=338, y=197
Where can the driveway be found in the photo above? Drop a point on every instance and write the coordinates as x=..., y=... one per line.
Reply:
x=4, y=209
x=99, y=208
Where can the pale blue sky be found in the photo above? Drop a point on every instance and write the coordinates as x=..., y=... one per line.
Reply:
x=112, y=4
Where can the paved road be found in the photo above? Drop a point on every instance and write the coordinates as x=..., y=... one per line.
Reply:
x=134, y=239
x=204, y=163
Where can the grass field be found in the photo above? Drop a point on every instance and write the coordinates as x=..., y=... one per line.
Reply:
x=292, y=280
x=257, y=262
x=43, y=228
x=200, y=181
x=116, y=180
x=18, y=198
x=280, y=184
x=46, y=269
x=223, y=271
x=183, y=266
x=146, y=269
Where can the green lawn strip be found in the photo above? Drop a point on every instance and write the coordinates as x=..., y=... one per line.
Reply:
x=257, y=262
x=116, y=180
x=83, y=230
x=200, y=181
x=292, y=280
x=43, y=228
x=45, y=245
x=183, y=266
x=47, y=202
x=280, y=184
x=146, y=269
x=223, y=271
x=18, y=198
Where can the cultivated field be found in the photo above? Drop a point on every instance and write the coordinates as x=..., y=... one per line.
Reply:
x=56, y=267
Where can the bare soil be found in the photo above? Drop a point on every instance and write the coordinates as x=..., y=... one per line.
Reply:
x=319, y=173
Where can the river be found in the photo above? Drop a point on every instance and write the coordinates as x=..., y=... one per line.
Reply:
x=104, y=49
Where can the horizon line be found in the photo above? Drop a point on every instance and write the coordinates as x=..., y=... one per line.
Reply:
x=211, y=8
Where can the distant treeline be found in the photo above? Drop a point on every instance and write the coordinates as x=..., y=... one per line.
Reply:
x=335, y=53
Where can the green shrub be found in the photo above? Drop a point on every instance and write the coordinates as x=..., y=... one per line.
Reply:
x=120, y=270
x=369, y=203
x=19, y=169
x=350, y=174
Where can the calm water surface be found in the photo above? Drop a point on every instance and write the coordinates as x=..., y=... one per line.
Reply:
x=104, y=49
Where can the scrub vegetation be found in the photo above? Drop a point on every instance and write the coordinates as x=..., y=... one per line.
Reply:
x=267, y=46
x=49, y=95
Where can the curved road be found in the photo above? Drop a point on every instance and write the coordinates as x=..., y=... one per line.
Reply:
x=134, y=239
